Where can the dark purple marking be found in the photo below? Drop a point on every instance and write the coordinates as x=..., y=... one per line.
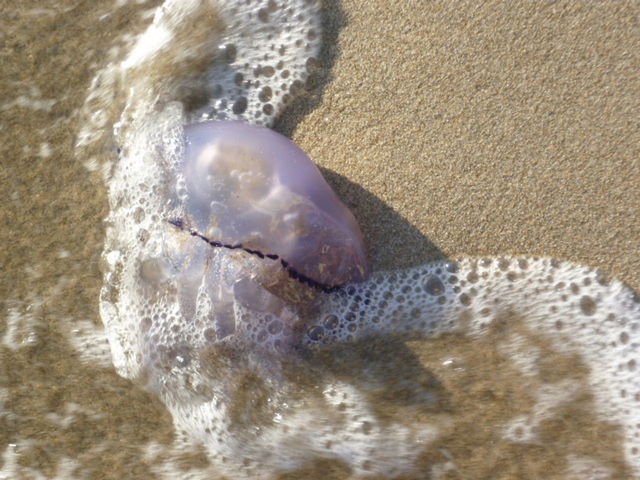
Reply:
x=292, y=272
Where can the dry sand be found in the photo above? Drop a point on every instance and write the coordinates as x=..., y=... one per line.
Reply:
x=486, y=127
x=451, y=128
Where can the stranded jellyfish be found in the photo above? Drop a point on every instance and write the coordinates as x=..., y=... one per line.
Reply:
x=250, y=188
x=254, y=235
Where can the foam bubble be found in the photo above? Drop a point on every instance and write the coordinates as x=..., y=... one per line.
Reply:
x=11, y=468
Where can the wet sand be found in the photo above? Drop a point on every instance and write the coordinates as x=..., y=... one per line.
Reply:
x=451, y=129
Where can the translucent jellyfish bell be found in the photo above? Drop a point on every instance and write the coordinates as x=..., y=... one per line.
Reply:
x=253, y=187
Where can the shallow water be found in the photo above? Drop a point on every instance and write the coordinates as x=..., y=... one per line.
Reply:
x=64, y=413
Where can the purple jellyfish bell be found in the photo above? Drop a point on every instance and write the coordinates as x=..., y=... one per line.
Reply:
x=249, y=187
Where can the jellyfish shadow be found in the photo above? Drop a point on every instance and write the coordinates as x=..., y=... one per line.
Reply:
x=392, y=241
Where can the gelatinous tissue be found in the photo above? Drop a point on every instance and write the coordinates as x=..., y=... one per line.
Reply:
x=231, y=268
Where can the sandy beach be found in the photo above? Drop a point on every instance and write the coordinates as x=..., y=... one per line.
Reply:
x=450, y=128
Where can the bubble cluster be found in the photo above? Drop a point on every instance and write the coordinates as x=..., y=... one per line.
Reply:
x=578, y=308
x=242, y=60
x=255, y=79
x=201, y=327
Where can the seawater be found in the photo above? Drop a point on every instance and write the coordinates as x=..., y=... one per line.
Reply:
x=483, y=418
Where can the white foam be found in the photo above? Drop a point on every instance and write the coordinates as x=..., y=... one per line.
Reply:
x=257, y=64
x=576, y=308
x=45, y=150
x=66, y=468
x=267, y=51
x=10, y=467
x=581, y=468
x=70, y=414
x=21, y=328
x=160, y=33
x=525, y=357
x=524, y=428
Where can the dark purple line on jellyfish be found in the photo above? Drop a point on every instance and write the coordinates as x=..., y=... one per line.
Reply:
x=292, y=272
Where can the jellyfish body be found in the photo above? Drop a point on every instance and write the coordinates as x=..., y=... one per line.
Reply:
x=247, y=237
x=252, y=188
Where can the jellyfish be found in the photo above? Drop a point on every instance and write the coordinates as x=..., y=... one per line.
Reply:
x=249, y=187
